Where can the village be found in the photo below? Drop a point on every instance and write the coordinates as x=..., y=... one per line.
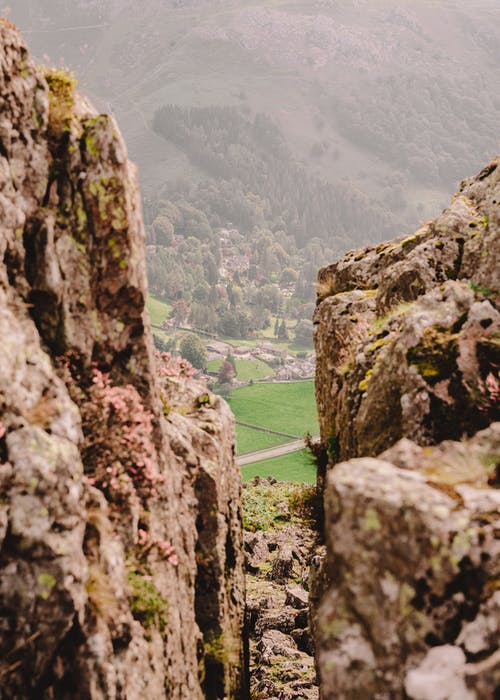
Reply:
x=283, y=364
x=281, y=352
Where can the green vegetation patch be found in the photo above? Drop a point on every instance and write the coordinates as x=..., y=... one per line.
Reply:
x=158, y=310
x=435, y=355
x=267, y=505
x=246, y=370
x=61, y=97
x=214, y=365
x=252, y=369
x=147, y=604
x=288, y=408
x=251, y=440
x=295, y=466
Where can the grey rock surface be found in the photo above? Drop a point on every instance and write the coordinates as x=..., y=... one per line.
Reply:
x=407, y=332
x=106, y=584
x=404, y=603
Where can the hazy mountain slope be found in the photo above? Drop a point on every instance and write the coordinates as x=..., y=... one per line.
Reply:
x=395, y=96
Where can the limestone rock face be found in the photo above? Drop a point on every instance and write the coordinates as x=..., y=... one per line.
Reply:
x=121, y=558
x=405, y=602
x=407, y=332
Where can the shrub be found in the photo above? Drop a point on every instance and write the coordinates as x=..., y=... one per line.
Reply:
x=306, y=503
x=265, y=504
x=173, y=366
x=193, y=350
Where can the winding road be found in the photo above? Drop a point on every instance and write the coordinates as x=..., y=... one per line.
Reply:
x=271, y=452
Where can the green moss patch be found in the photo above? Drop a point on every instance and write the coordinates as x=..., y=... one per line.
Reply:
x=61, y=99
x=435, y=355
x=146, y=602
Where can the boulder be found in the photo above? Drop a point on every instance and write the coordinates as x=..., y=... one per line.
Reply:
x=414, y=552
x=406, y=332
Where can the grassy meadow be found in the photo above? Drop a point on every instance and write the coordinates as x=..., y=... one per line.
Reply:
x=158, y=310
x=251, y=440
x=288, y=408
x=246, y=369
x=296, y=466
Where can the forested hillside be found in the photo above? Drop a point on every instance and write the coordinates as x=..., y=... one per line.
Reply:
x=254, y=179
x=387, y=102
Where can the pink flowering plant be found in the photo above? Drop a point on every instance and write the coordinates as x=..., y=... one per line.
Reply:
x=118, y=448
x=173, y=366
x=146, y=544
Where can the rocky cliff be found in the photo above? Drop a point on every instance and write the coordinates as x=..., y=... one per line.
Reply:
x=408, y=390
x=121, y=552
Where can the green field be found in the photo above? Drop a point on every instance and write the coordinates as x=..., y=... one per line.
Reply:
x=296, y=466
x=158, y=310
x=245, y=369
x=268, y=333
x=287, y=408
x=250, y=440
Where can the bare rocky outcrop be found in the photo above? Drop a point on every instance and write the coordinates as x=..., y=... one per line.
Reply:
x=121, y=557
x=405, y=601
x=434, y=351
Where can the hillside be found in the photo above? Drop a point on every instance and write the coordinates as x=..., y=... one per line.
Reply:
x=379, y=98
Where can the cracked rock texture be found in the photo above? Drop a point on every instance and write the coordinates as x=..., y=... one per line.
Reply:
x=408, y=341
x=85, y=610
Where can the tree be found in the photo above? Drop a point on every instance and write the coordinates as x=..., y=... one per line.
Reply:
x=282, y=332
x=226, y=373
x=201, y=291
x=276, y=327
x=289, y=276
x=303, y=331
x=159, y=343
x=164, y=230
x=180, y=311
x=224, y=390
x=193, y=350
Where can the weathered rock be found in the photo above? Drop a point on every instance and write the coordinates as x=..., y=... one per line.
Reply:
x=415, y=559
x=281, y=650
x=257, y=550
x=282, y=567
x=296, y=597
x=407, y=332
x=450, y=247
x=440, y=676
x=136, y=588
x=405, y=602
x=421, y=374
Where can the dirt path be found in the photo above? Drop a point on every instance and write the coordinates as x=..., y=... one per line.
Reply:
x=271, y=452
